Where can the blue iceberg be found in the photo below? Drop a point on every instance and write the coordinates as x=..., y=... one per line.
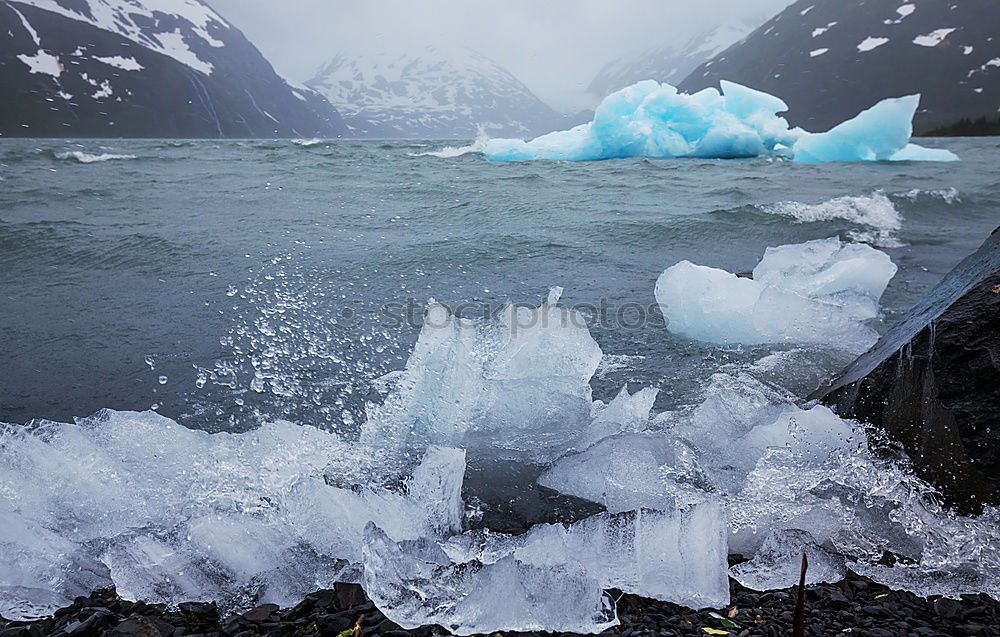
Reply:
x=649, y=119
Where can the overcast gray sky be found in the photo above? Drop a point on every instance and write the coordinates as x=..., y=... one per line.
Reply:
x=554, y=46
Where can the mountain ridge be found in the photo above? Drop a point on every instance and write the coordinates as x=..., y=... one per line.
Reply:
x=436, y=91
x=156, y=68
x=829, y=60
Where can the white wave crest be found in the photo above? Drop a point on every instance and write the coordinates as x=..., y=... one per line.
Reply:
x=88, y=158
x=308, y=143
x=950, y=196
x=875, y=211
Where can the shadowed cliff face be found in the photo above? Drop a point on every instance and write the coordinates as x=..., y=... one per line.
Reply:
x=932, y=383
x=143, y=72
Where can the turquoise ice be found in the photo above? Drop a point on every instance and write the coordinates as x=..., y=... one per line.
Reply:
x=649, y=119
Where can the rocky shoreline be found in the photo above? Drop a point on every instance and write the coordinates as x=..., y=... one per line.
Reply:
x=856, y=606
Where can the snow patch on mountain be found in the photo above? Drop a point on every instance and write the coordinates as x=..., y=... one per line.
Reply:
x=871, y=43
x=933, y=38
x=43, y=62
x=436, y=90
x=119, y=62
x=170, y=27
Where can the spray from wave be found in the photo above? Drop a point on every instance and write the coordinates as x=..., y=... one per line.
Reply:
x=477, y=146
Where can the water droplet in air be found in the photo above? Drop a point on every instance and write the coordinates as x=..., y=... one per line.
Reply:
x=163, y=380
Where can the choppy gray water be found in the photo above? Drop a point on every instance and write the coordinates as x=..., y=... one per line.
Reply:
x=142, y=273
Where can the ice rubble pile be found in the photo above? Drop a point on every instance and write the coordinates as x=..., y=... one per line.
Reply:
x=169, y=514
x=649, y=119
x=818, y=292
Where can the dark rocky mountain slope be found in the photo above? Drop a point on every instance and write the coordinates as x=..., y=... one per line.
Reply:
x=143, y=68
x=830, y=59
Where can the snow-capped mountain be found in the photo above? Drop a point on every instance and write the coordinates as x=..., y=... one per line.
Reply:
x=431, y=92
x=143, y=68
x=673, y=62
x=830, y=59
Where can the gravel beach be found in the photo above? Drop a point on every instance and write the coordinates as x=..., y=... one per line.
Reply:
x=856, y=606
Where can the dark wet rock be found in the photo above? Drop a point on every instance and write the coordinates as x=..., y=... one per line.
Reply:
x=349, y=595
x=139, y=626
x=932, y=383
x=261, y=613
x=199, y=614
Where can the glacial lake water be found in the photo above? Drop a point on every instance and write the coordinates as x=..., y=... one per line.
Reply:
x=139, y=274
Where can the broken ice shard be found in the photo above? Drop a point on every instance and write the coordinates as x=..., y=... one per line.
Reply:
x=630, y=471
x=516, y=387
x=416, y=584
x=168, y=514
x=649, y=119
x=553, y=577
x=815, y=292
x=778, y=562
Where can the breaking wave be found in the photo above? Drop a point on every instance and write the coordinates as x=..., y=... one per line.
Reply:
x=876, y=211
x=477, y=146
x=308, y=143
x=88, y=158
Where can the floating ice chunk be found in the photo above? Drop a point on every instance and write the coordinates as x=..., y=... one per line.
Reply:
x=416, y=584
x=778, y=563
x=654, y=120
x=853, y=275
x=649, y=119
x=914, y=152
x=817, y=292
x=515, y=387
x=731, y=406
x=630, y=471
x=880, y=133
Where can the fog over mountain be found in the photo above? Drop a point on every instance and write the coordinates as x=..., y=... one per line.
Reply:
x=555, y=48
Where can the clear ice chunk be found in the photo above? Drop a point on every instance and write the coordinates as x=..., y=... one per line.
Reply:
x=416, y=584
x=778, y=563
x=170, y=514
x=817, y=292
x=553, y=577
x=516, y=387
x=630, y=471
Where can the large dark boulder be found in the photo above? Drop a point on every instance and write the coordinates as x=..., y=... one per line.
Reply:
x=932, y=383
